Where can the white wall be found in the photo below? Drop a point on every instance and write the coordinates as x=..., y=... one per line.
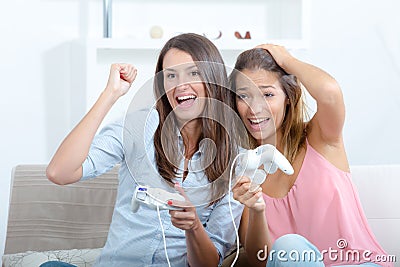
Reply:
x=356, y=41
x=32, y=53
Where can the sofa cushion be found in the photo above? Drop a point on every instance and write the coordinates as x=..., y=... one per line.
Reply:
x=44, y=216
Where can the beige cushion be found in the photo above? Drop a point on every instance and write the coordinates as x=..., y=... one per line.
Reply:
x=44, y=216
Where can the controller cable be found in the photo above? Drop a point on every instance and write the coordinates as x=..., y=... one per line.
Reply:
x=230, y=211
x=163, y=234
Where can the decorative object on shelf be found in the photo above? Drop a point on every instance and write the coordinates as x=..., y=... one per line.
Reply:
x=156, y=32
x=239, y=36
x=213, y=35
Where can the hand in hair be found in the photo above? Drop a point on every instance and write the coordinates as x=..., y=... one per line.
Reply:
x=279, y=53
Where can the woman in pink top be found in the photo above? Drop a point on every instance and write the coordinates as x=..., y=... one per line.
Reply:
x=313, y=217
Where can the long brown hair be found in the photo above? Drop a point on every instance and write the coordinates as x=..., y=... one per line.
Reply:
x=294, y=124
x=219, y=129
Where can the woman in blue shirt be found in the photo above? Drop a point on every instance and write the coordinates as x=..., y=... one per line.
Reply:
x=192, y=108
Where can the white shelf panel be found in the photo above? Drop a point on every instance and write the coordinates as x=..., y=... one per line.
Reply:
x=157, y=44
x=93, y=57
x=283, y=22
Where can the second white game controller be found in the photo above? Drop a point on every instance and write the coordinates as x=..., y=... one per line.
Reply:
x=266, y=155
x=153, y=198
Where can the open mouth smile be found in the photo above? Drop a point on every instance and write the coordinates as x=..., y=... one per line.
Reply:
x=257, y=124
x=185, y=101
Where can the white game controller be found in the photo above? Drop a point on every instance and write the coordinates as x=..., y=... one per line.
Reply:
x=153, y=198
x=266, y=155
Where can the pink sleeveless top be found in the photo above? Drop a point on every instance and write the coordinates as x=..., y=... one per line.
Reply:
x=323, y=206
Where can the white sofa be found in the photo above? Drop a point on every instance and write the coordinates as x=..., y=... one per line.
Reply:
x=67, y=222
x=70, y=223
x=378, y=188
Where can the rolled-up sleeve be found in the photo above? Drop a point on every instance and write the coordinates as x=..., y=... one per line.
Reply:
x=220, y=227
x=105, y=151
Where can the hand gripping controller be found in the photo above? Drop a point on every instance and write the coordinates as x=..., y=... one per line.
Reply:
x=266, y=155
x=154, y=197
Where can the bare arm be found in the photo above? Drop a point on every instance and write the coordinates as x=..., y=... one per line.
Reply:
x=201, y=250
x=66, y=165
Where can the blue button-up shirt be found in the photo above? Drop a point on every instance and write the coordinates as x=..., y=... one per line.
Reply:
x=135, y=239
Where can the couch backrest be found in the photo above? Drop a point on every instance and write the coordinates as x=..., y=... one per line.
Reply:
x=45, y=216
x=378, y=187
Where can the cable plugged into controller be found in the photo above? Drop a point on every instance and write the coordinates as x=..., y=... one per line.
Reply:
x=153, y=198
x=249, y=162
x=248, y=165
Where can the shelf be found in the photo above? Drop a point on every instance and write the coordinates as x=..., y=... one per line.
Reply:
x=92, y=59
x=157, y=44
x=266, y=20
x=283, y=22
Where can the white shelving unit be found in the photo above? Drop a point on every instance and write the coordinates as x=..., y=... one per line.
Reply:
x=92, y=57
x=156, y=44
